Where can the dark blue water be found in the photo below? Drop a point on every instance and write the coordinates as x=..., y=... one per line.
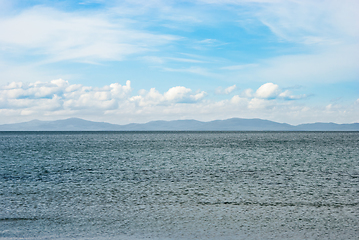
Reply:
x=179, y=185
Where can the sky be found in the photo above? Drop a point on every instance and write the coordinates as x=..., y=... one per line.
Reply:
x=291, y=61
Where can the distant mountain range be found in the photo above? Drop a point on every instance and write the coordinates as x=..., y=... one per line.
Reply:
x=233, y=124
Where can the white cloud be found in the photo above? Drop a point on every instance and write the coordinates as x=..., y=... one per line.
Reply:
x=268, y=90
x=227, y=90
x=248, y=93
x=198, y=96
x=230, y=89
x=239, y=100
x=119, y=91
x=174, y=95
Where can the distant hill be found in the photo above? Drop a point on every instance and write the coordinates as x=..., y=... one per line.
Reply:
x=233, y=124
x=71, y=124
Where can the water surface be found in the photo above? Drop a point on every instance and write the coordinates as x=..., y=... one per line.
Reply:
x=179, y=185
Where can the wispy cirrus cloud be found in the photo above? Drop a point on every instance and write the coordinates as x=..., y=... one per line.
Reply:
x=307, y=22
x=195, y=70
x=59, y=36
x=162, y=60
x=239, y=67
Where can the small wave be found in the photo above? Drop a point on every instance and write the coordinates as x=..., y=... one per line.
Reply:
x=14, y=219
x=282, y=204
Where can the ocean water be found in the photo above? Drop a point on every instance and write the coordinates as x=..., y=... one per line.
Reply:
x=179, y=185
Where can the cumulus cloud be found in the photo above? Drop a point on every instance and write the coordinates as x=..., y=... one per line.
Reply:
x=177, y=94
x=239, y=100
x=271, y=91
x=268, y=90
x=59, y=94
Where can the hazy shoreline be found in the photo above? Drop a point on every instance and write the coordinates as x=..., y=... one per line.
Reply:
x=232, y=124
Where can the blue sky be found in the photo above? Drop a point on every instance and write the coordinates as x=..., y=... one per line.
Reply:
x=136, y=61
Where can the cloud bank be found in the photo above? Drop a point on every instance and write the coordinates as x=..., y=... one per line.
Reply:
x=116, y=103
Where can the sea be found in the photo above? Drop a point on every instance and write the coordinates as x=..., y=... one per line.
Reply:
x=179, y=185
